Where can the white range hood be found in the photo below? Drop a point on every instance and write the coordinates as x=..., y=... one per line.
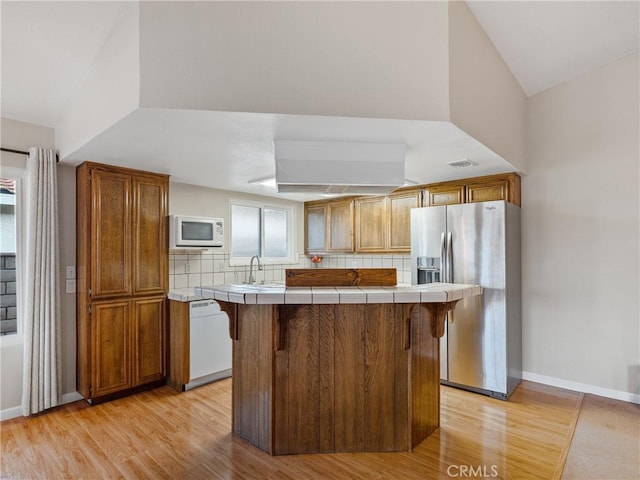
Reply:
x=338, y=167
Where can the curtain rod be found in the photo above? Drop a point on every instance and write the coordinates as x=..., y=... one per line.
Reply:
x=22, y=152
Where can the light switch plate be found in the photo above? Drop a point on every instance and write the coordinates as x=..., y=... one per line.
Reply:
x=71, y=286
x=71, y=272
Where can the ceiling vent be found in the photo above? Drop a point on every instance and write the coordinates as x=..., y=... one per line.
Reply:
x=463, y=164
x=338, y=167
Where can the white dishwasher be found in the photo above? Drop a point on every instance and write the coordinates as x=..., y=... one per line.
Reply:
x=209, y=343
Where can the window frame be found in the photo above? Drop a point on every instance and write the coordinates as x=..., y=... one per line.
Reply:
x=292, y=255
x=18, y=174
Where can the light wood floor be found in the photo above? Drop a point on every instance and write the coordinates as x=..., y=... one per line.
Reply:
x=163, y=434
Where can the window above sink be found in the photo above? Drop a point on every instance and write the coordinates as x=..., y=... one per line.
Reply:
x=261, y=229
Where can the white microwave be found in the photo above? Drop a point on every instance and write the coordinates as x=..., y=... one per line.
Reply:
x=195, y=232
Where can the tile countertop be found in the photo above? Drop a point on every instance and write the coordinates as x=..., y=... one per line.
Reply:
x=279, y=294
x=184, y=295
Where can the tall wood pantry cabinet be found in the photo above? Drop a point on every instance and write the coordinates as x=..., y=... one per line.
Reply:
x=122, y=280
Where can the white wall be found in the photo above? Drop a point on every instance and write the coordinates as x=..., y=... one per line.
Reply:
x=486, y=100
x=21, y=136
x=111, y=90
x=198, y=201
x=368, y=59
x=580, y=228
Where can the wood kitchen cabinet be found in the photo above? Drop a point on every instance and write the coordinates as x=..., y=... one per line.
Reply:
x=494, y=187
x=340, y=226
x=178, y=345
x=122, y=269
x=444, y=195
x=149, y=330
x=315, y=219
x=110, y=347
x=371, y=224
x=383, y=224
x=399, y=205
x=505, y=186
x=329, y=226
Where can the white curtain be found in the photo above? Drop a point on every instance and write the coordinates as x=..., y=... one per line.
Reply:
x=42, y=386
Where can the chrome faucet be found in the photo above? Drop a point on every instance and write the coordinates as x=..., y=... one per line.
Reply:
x=252, y=279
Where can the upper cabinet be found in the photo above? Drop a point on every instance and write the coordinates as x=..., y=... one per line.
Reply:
x=329, y=226
x=128, y=228
x=383, y=224
x=315, y=218
x=109, y=212
x=504, y=186
x=494, y=187
x=340, y=226
x=371, y=228
x=399, y=205
x=149, y=231
x=444, y=195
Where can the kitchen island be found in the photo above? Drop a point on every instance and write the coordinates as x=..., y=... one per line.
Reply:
x=336, y=369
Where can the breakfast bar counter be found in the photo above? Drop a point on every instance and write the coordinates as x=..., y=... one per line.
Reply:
x=336, y=369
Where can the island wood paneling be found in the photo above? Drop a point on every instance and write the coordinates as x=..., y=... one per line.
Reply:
x=425, y=376
x=252, y=370
x=305, y=379
x=336, y=378
x=340, y=277
x=301, y=379
x=380, y=377
x=349, y=379
x=327, y=330
x=402, y=393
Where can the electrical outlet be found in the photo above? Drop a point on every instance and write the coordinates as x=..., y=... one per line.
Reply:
x=71, y=272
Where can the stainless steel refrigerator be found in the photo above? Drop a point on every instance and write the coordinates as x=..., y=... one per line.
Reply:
x=475, y=243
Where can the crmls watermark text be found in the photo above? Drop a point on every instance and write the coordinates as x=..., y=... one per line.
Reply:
x=472, y=471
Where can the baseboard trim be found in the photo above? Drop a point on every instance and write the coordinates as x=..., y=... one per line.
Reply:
x=15, y=412
x=9, y=413
x=71, y=397
x=582, y=387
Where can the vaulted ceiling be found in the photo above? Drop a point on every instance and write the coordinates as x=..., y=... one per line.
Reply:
x=48, y=49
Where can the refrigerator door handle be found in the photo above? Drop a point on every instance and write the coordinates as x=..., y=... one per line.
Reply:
x=449, y=258
x=443, y=263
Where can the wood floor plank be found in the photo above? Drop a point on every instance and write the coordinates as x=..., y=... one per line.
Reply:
x=164, y=434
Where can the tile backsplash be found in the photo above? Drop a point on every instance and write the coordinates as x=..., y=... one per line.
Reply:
x=200, y=269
